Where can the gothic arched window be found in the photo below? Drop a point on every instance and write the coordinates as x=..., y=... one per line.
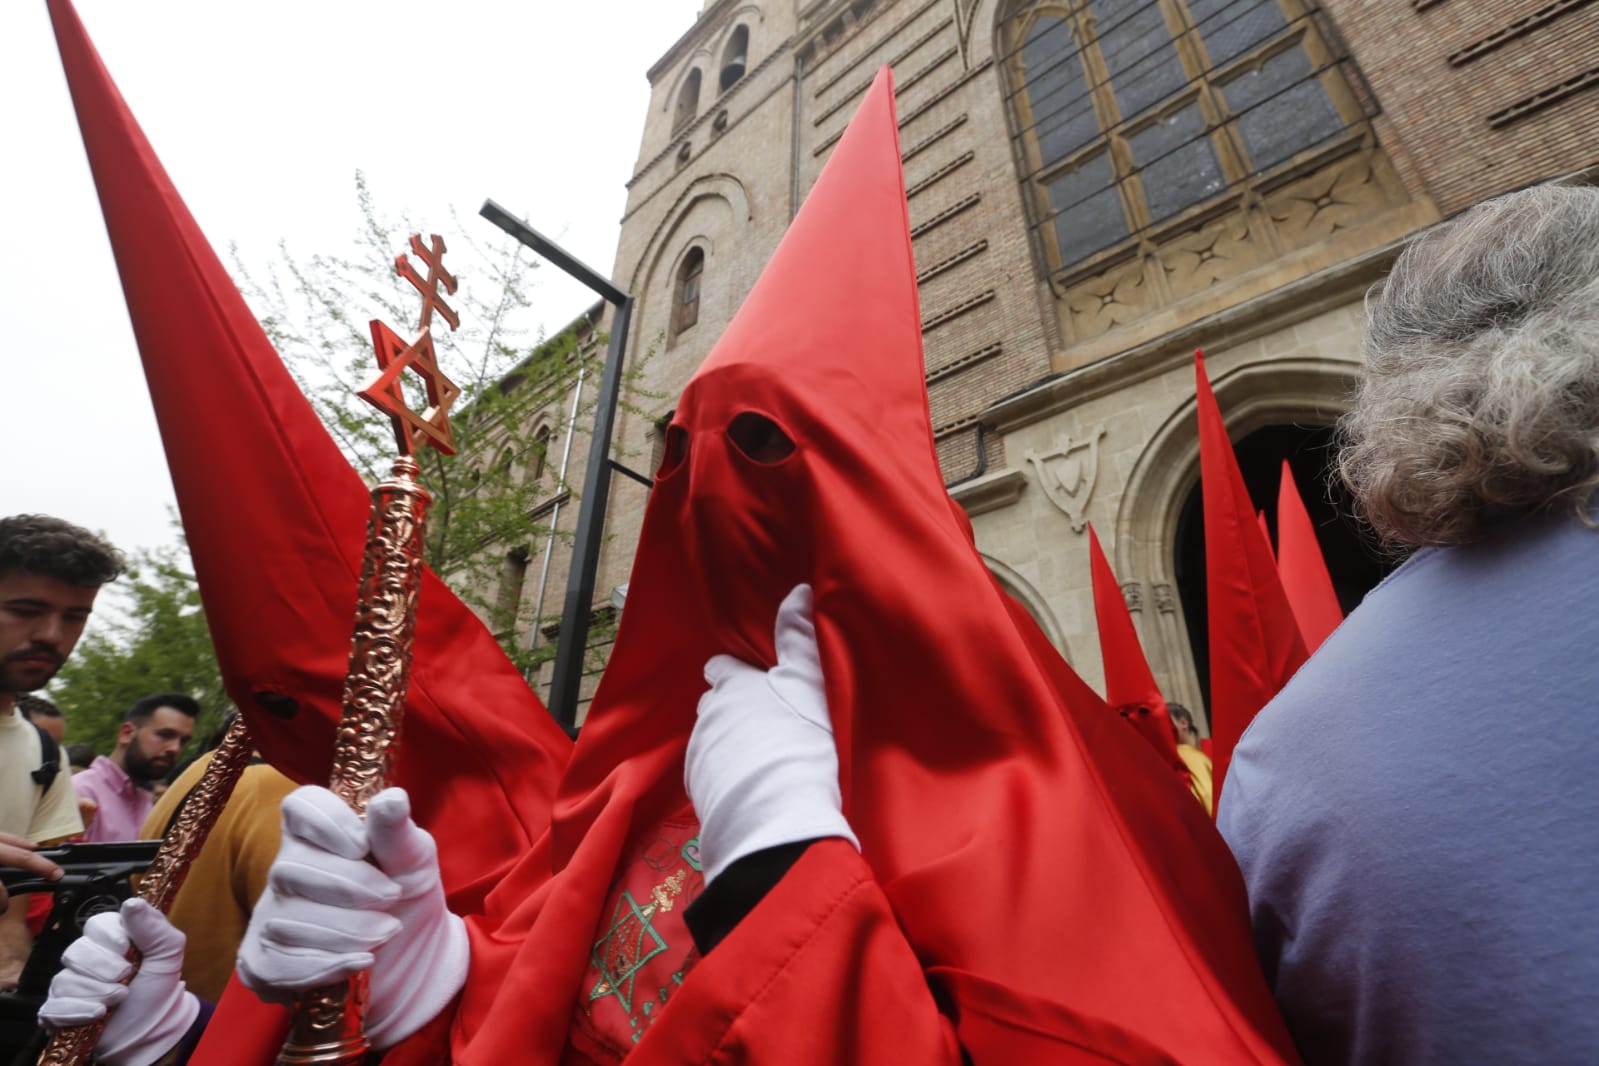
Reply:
x=688, y=100
x=686, y=293
x=1131, y=114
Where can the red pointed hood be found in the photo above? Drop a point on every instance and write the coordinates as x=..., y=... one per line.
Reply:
x=1004, y=811
x=1255, y=645
x=1129, y=683
x=1306, y=582
x=275, y=519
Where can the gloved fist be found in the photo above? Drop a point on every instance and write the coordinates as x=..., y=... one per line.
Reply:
x=761, y=767
x=327, y=913
x=150, y=1014
x=424, y=965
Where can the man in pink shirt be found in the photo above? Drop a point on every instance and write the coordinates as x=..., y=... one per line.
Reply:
x=153, y=734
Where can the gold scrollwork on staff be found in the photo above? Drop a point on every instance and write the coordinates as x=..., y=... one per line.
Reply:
x=327, y=1021
x=327, y=1026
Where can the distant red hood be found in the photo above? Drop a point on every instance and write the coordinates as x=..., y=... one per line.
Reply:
x=1255, y=645
x=1130, y=687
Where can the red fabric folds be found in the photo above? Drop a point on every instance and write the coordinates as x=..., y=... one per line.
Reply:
x=275, y=519
x=1031, y=868
x=1306, y=582
x=1255, y=645
x=1129, y=683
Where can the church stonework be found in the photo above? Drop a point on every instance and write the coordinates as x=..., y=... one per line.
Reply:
x=1095, y=189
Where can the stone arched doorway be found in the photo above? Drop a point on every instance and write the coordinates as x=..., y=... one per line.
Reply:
x=1305, y=396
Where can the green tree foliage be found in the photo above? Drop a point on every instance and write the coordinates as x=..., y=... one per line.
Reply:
x=153, y=638
x=487, y=519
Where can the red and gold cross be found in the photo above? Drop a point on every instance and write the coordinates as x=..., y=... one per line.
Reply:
x=413, y=430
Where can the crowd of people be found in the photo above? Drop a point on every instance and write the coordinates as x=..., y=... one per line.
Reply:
x=1410, y=815
x=54, y=792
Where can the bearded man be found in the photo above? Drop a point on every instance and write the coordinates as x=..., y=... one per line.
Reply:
x=153, y=734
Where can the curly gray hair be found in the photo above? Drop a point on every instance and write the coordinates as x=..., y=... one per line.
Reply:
x=1480, y=398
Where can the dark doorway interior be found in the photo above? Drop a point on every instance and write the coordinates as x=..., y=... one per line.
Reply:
x=1355, y=565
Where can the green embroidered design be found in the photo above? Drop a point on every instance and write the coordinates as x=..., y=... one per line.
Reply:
x=627, y=945
x=632, y=941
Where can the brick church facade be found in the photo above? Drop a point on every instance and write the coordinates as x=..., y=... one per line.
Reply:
x=1096, y=188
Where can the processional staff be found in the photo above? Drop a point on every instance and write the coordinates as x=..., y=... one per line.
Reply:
x=180, y=845
x=327, y=1028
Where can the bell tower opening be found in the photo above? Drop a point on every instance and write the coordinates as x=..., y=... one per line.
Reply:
x=735, y=59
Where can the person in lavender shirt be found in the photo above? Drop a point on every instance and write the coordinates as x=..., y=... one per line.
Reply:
x=152, y=736
x=1414, y=814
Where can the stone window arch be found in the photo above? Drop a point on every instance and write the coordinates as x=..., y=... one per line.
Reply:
x=1023, y=591
x=505, y=467
x=1133, y=114
x=686, y=292
x=688, y=101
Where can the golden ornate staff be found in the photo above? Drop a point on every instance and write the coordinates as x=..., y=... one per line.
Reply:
x=159, y=887
x=327, y=1028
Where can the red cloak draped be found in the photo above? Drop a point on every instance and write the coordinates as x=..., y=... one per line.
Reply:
x=1026, y=871
x=275, y=520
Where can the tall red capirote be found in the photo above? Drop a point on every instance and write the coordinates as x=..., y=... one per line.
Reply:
x=1129, y=683
x=1306, y=582
x=275, y=519
x=1038, y=869
x=1255, y=645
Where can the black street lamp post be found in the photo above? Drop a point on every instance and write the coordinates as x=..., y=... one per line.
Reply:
x=596, y=480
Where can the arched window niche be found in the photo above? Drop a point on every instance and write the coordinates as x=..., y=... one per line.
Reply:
x=686, y=292
x=688, y=101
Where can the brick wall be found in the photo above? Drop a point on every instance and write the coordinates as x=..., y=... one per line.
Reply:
x=1458, y=80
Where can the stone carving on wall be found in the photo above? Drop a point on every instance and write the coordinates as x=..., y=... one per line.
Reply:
x=1165, y=603
x=1068, y=474
x=1263, y=224
x=1111, y=299
x=1133, y=593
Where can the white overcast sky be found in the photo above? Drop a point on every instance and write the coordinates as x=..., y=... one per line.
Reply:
x=262, y=113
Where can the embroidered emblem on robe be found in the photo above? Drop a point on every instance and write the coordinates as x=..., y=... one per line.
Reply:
x=643, y=951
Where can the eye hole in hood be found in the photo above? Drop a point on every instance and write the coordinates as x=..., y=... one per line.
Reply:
x=759, y=438
x=675, y=452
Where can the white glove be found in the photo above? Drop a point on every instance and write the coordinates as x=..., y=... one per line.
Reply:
x=761, y=767
x=419, y=971
x=150, y=1014
x=327, y=914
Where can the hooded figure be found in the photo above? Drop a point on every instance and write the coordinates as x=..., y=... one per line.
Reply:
x=1024, y=871
x=275, y=520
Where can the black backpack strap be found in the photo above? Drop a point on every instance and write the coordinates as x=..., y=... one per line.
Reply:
x=50, y=759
